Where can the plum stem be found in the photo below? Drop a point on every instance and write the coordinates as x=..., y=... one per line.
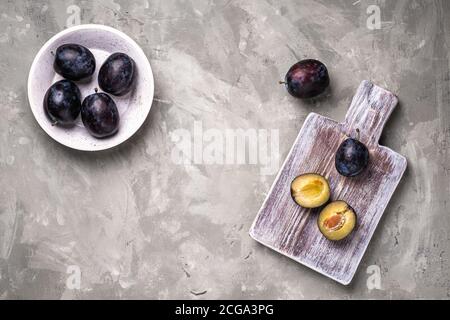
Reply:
x=357, y=134
x=281, y=82
x=96, y=90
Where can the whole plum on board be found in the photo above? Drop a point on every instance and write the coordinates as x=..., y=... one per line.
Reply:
x=351, y=157
x=306, y=79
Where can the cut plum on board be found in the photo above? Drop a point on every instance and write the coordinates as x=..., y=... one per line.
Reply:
x=337, y=220
x=292, y=230
x=310, y=190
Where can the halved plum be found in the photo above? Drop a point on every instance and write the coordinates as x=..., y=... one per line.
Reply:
x=337, y=220
x=310, y=190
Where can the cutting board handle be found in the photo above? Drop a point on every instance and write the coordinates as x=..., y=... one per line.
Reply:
x=369, y=110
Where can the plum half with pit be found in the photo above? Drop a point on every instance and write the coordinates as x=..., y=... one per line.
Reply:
x=307, y=79
x=351, y=157
x=117, y=74
x=74, y=62
x=100, y=115
x=337, y=220
x=310, y=190
x=62, y=103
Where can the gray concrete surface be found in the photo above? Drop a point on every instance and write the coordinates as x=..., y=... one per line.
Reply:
x=137, y=224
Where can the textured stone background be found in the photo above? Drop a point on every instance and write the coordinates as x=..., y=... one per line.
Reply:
x=140, y=226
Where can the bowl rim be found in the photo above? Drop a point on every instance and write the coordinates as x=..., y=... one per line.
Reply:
x=139, y=52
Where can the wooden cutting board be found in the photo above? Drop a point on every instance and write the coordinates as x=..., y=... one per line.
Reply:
x=292, y=230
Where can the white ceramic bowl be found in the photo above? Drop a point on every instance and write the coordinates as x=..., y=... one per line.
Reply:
x=102, y=41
